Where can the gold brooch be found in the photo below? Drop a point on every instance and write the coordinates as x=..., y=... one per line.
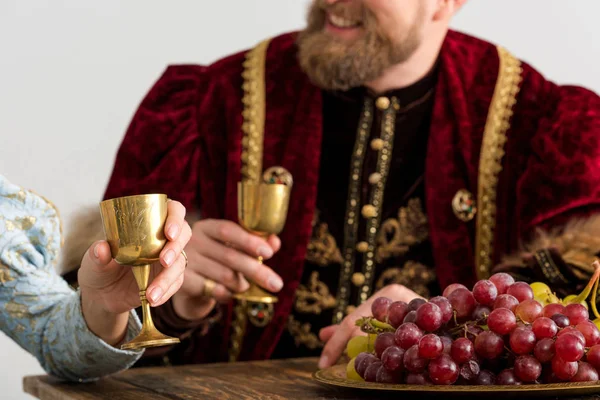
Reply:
x=463, y=205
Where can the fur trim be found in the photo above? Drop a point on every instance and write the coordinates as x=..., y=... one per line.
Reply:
x=85, y=229
x=578, y=242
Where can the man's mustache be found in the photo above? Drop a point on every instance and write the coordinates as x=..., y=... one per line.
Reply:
x=351, y=12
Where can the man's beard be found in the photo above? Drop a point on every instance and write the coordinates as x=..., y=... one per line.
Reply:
x=336, y=64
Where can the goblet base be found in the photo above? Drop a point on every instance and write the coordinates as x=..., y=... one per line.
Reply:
x=256, y=295
x=148, y=339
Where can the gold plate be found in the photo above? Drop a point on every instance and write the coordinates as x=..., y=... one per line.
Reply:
x=336, y=376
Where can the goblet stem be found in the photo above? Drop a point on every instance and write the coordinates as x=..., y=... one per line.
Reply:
x=142, y=276
x=149, y=336
x=255, y=294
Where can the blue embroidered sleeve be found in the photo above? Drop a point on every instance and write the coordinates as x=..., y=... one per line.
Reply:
x=38, y=309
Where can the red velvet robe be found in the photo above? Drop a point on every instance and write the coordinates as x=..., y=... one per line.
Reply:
x=185, y=140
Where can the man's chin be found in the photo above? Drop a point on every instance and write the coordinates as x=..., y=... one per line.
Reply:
x=336, y=64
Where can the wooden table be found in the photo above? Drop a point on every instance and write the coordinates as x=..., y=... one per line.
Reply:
x=276, y=379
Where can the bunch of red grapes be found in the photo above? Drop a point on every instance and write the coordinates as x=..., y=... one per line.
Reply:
x=495, y=334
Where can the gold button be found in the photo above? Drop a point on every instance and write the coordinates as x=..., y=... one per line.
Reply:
x=369, y=211
x=377, y=144
x=358, y=278
x=350, y=310
x=374, y=178
x=362, y=247
x=383, y=103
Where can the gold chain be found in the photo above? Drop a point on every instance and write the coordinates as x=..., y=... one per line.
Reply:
x=254, y=103
x=238, y=328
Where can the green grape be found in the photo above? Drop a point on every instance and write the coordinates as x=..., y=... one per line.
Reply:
x=540, y=289
x=547, y=298
x=543, y=300
x=543, y=294
x=351, y=371
x=552, y=298
x=571, y=299
x=597, y=322
x=357, y=345
x=371, y=342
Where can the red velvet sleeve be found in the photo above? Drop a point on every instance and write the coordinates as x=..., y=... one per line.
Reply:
x=161, y=151
x=562, y=174
x=553, y=162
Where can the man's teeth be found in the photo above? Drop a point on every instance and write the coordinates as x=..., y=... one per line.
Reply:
x=342, y=22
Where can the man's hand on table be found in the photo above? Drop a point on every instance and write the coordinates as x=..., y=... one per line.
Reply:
x=337, y=336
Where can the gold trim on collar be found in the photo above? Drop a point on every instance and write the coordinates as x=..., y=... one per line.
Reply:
x=490, y=161
x=254, y=102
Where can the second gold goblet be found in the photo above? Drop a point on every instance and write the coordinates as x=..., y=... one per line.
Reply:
x=262, y=211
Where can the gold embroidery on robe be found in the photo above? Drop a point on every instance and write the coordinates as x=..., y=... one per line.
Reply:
x=10, y=226
x=396, y=236
x=19, y=196
x=315, y=298
x=302, y=334
x=16, y=310
x=24, y=224
x=413, y=275
x=5, y=274
x=30, y=296
x=322, y=248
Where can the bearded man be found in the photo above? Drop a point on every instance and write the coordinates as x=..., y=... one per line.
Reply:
x=420, y=157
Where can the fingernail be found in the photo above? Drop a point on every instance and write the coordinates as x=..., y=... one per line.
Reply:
x=265, y=252
x=323, y=362
x=155, y=294
x=96, y=254
x=275, y=284
x=172, y=231
x=169, y=257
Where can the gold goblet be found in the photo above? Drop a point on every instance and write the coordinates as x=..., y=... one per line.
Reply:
x=262, y=211
x=134, y=229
